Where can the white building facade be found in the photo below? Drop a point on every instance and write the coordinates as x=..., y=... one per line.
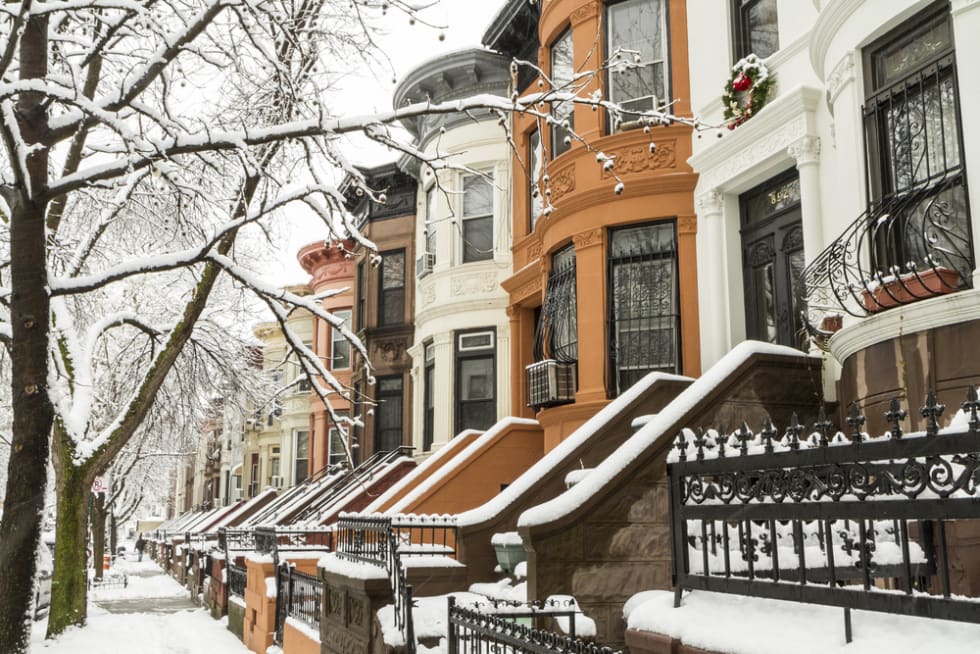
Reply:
x=461, y=347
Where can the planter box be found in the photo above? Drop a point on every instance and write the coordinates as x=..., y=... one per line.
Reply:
x=910, y=287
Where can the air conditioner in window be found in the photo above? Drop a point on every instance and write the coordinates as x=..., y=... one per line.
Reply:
x=424, y=264
x=276, y=481
x=550, y=383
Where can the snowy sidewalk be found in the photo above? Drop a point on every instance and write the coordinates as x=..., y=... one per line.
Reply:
x=152, y=615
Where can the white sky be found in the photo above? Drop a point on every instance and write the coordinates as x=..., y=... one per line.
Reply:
x=368, y=91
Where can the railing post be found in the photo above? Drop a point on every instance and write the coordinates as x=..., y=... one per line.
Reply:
x=451, y=630
x=409, y=622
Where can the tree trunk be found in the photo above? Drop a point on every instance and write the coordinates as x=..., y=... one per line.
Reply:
x=20, y=527
x=98, y=532
x=113, y=533
x=69, y=585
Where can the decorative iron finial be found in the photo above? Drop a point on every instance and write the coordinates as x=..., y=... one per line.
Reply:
x=681, y=444
x=931, y=412
x=793, y=432
x=856, y=421
x=895, y=415
x=722, y=439
x=767, y=433
x=743, y=434
x=699, y=443
x=823, y=427
x=972, y=405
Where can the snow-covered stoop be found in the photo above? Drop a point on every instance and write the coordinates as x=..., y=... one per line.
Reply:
x=752, y=625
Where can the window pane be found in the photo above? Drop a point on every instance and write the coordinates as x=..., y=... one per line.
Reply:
x=894, y=62
x=476, y=379
x=535, y=162
x=430, y=218
x=388, y=421
x=393, y=307
x=393, y=273
x=477, y=196
x=761, y=27
x=477, y=239
x=341, y=346
x=636, y=30
x=648, y=239
x=562, y=74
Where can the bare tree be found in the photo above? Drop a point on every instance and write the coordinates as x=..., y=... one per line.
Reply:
x=144, y=143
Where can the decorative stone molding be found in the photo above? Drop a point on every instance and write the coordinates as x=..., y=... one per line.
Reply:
x=762, y=139
x=390, y=352
x=584, y=13
x=588, y=239
x=806, y=150
x=472, y=284
x=428, y=294
x=708, y=203
x=840, y=76
x=828, y=24
x=527, y=290
x=562, y=183
x=687, y=225
x=638, y=158
x=533, y=250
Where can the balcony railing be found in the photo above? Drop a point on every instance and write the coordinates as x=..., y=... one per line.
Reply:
x=854, y=522
x=298, y=596
x=908, y=247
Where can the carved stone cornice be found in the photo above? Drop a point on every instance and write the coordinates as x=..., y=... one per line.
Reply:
x=638, y=158
x=842, y=74
x=584, y=13
x=806, y=150
x=588, y=239
x=479, y=283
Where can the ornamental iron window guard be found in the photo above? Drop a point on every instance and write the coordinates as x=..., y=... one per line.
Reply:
x=855, y=522
x=237, y=579
x=914, y=241
x=473, y=631
x=381, y=540
x=299, y=596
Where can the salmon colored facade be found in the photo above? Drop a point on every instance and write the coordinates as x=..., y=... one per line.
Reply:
x=332, y=268
x=658, y=188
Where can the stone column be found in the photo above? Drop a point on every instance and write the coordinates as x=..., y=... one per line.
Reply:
x=586, y=24
x=590, y=291
x=715, y=327
x=966, y=27
x=806, y=152
x=444, y=428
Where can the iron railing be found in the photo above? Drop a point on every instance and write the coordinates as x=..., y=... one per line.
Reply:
x=854, y=522
x=473, y=631
x=237, y=579
x=381, y=540
x=299, y=596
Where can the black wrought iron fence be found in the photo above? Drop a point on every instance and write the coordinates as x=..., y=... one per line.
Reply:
x=477, y=631
x=382, y=540
x=237, y=579
x=850, y=521
x=298, y=596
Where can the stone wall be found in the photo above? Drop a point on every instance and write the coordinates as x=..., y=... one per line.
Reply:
x=348, y=624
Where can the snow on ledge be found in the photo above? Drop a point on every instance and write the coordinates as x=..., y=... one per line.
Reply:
x=352, y=569
x=752, y=625
x=653, y=431
x=561, y=452
x=462, y=457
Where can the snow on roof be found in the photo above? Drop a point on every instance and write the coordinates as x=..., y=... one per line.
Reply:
x=562, y=452
x=752, y=625
x=652, y=432
x=420, y=472
x=403, y=505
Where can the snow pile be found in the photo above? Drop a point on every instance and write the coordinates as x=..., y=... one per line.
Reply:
x=429, y=617
x=655, y=430
x=575, y=476
x=502, y=590
x=749, y=625
x=353, y=569
x=506, y=538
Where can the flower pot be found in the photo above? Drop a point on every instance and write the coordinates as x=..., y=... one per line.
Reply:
x=910, y=287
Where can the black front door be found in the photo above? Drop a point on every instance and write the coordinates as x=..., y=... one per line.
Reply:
x=772, y=261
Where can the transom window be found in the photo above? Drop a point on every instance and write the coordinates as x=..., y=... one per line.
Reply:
x=636, y=45
x=643, y=303
x=756, y=30
x=391, y=309
x=477, y=218
x=562, y=77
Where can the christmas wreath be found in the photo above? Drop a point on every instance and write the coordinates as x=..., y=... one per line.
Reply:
x=747, y=90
